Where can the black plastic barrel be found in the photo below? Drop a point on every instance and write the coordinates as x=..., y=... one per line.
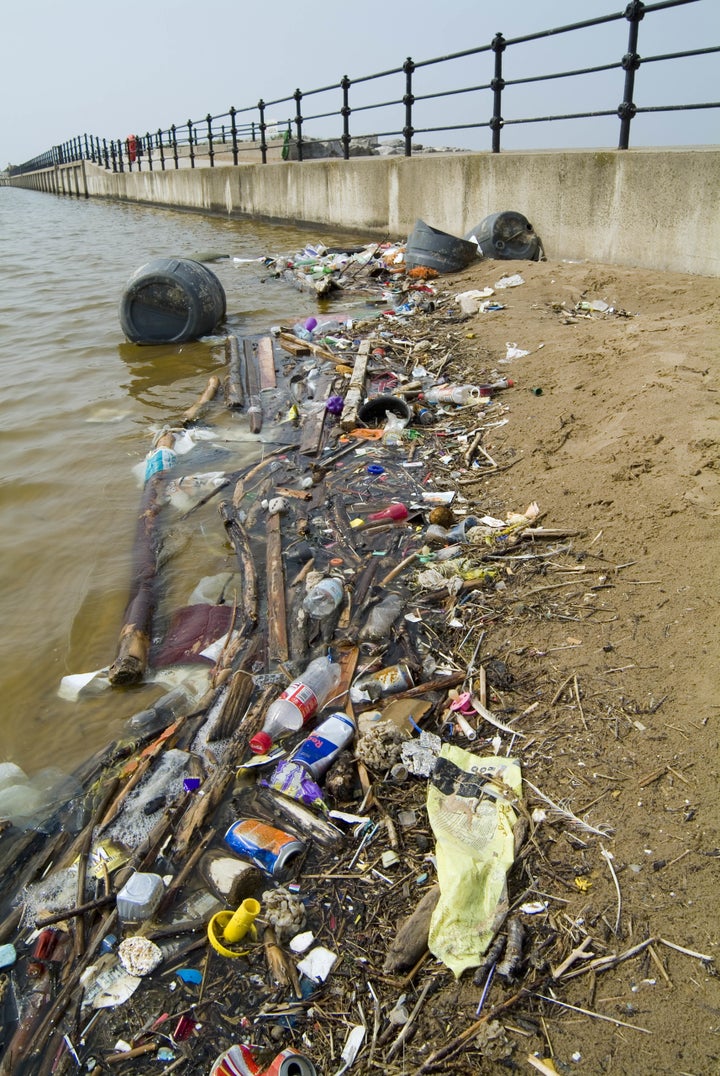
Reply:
x=438, y=250
x=506, y=235
x=170, y=300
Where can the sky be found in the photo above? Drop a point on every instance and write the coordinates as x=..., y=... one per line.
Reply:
x=112, y=69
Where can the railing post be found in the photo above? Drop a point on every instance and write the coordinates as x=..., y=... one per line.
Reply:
x=190, y=140
x=87, y=151
x=634, y=13
x=298, y=124
x=161, y=148
x=98, y=151
x=121, y=162
x=211, y=151
x=345, y=113
x=497, y=85
x=173, y=135
x=114, y=157
x=106, y=154
x=148, y=143
x=408, y=101
x=263, y=126
x=233, y=133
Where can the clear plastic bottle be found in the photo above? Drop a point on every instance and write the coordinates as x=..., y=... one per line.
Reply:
x=381, y=619
x=298, y=702
x=457, y=394
x=324, y=598
x=176, y=703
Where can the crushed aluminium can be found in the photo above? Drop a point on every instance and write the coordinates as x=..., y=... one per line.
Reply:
x=291, y=1063
x=265, y=846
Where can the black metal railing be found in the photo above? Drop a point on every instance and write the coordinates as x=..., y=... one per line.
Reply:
x=402, y=113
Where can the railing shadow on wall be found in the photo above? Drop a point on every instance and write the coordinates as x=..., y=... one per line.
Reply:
x=228, y=137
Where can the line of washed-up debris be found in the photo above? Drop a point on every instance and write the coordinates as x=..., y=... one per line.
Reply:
x=314, y=827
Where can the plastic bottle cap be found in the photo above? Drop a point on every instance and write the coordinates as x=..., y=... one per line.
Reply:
x=260, y=743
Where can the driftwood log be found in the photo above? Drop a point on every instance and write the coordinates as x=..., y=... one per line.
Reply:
x=132, y=657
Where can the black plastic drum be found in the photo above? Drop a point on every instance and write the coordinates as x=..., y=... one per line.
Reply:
x=506, y=235
x=171, y=300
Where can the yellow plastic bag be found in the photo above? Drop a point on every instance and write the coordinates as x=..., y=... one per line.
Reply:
x=470, y=806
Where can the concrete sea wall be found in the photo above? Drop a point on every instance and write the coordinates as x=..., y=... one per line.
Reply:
x=651, y=208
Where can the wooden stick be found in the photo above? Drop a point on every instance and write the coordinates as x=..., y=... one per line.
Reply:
x=594, y=1015
x=399, y=569
x=137, y=1051
x=572, y=958
x=604, y=963
x=210, y=392
x=240, y=539
x=410, y=1021
x=472, y=448
x=70, y=913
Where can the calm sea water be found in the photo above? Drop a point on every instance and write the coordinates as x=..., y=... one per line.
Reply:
x=77, y=410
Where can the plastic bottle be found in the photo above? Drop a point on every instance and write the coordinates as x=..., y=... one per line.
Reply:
x=393, y=512
x=393, y=430
x=176, y=703
x=324, y=598
x=496, y=386
x=457, y=394
x=381, y=619
x=298, y=702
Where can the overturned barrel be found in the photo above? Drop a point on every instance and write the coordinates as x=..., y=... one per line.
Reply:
x=171, y=300
x=506, y=235
x=438, y=250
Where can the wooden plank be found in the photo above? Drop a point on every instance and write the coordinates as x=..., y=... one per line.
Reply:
x=233, y=388
x=277, y=619
x=296, y=346
x=266, y=363
x=356, y=388
x=313, y=424
x=252, y=375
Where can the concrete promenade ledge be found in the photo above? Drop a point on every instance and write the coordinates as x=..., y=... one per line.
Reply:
x=650, y=208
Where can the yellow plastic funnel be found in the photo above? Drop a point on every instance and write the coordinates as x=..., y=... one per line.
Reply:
x=228, y=928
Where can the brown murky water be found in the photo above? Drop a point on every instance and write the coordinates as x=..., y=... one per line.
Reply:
x=77, y=411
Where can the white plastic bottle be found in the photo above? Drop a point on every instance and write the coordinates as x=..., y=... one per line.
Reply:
x=324, y=598
x=298, y=702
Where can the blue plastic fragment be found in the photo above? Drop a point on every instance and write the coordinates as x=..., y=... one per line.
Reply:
x=165, y=1054
x=8, y=955
x=190, y=975
x=191, y=784
x=108, y=943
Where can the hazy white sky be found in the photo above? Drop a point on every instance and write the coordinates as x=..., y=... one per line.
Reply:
x=110, y=69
